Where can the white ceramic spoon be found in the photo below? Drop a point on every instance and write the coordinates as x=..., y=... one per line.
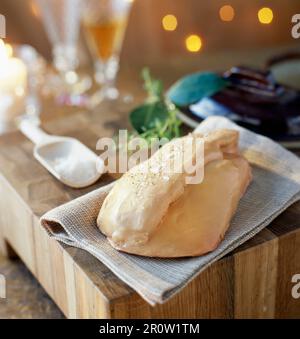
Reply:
x=66, y=158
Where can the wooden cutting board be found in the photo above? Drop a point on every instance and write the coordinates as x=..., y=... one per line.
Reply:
x=253, y=281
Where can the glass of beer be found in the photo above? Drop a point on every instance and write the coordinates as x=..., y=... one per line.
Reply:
x=104, y=23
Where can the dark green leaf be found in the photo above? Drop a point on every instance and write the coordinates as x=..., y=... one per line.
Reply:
x=144, y=117
x=195, y=87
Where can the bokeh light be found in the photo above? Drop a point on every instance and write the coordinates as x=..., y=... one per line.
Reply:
x=169, y=22
x=193, y=43
x=226, y=13
x=265, y=15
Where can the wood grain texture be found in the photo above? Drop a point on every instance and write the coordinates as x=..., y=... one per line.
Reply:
x=252, y=282
x=288, y=265
x=255, y=281
x=25, y=298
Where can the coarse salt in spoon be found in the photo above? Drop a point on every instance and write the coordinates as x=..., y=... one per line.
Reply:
x=66, y=158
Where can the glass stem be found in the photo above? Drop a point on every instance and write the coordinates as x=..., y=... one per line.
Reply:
x=106, y=73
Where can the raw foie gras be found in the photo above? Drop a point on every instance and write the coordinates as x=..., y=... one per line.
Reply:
x=150, y=215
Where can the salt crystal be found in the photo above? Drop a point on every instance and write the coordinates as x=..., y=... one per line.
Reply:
x=74, y=169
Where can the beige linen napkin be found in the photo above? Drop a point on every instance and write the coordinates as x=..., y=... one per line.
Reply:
x=275, y=186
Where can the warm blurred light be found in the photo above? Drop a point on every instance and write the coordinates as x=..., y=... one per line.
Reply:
x=3, y=52
x=19, y=90
x=34, y=9
x=169, y=22
x=265, y=15
x=193, y=43
x=2, y=48
x=71, y=77
x=226, y=13
x=6, y=50
x=9, y=50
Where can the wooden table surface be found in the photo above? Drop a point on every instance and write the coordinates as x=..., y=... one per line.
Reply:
x=253, y=281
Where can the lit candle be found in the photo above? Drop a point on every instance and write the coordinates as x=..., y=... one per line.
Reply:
x=13, y=77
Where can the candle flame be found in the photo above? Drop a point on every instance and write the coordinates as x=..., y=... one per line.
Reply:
x=9, y=50
x=6, y=51
x=1, y=43
x=3, y=51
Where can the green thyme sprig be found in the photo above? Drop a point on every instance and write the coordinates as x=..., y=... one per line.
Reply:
x=157, y=117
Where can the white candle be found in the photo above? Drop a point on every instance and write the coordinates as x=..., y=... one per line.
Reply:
x=13, y=77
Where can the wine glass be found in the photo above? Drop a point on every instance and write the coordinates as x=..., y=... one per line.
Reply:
x=61, y=19
x=104, y=23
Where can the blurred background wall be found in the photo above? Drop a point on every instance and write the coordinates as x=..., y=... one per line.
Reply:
x=146, y=40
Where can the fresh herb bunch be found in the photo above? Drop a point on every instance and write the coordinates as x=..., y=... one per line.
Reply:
x=157, y=117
